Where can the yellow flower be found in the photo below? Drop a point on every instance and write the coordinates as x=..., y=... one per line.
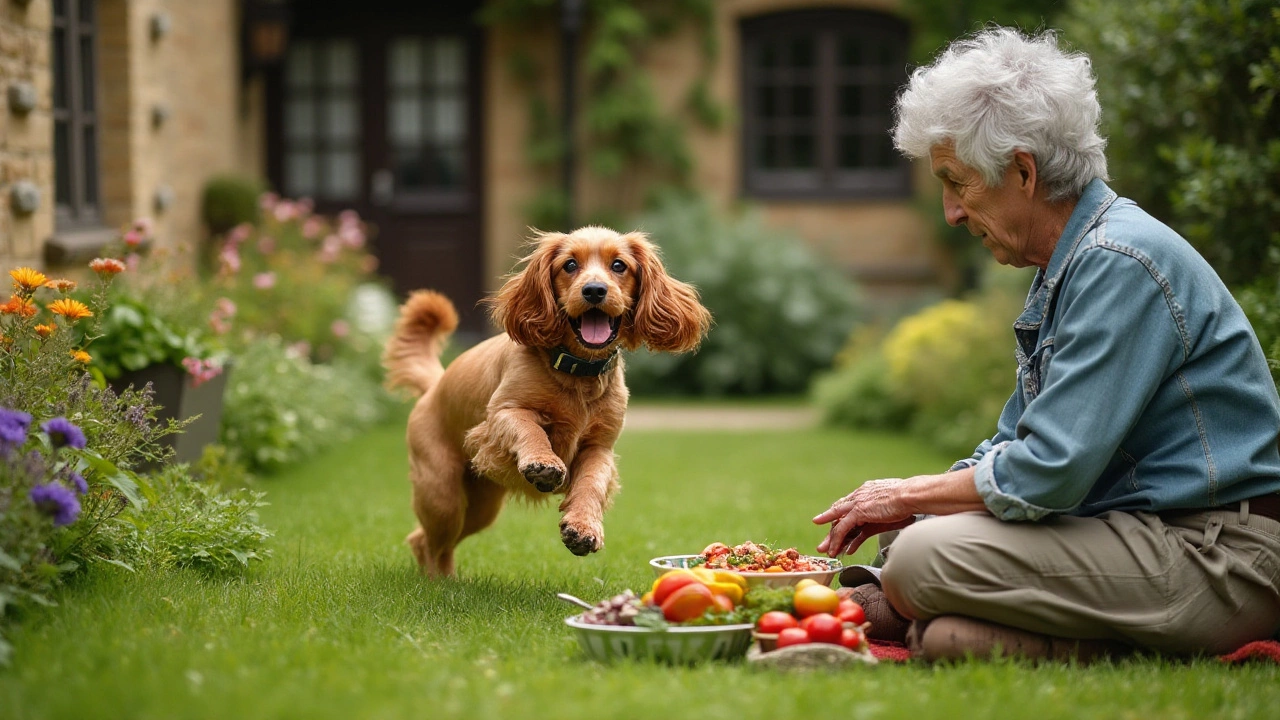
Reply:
x=62, y=285
x=27, y=279
x=45, y=331
x=81, y=356
x=106, y=266
x=70, y=309
x=18, y=306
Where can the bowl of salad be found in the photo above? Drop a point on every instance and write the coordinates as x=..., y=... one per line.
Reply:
x=759, y=564
x=622, y=627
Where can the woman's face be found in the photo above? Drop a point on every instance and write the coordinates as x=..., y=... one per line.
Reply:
x=1000, y=216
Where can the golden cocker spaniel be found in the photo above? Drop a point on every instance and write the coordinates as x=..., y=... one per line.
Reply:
x=535, y=411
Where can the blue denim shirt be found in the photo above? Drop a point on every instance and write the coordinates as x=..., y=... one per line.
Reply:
x=1141, y=385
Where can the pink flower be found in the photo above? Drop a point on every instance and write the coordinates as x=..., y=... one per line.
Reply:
x=230, y=258
x=264, y=280
x=352, y=236
x=300, y=349
x=239, y=234
x=340, y=328
x=132, y=261
x=268, y=200
x=348, y=217
x=266, y=244
x=202, y=371
x=133, y=238
x=330, y=248
x=312, y=228
x=285, y=211
x=225, y=307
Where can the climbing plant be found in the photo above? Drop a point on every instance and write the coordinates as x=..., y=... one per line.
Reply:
x=625, y=136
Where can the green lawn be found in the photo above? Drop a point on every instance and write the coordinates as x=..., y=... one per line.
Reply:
x=339, y=625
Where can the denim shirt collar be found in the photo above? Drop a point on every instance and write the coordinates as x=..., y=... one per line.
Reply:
x=1094, y=201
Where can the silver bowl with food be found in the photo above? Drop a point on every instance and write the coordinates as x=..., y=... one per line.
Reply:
x=757, y=563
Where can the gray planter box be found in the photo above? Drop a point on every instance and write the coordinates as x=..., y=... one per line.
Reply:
x=180, y=399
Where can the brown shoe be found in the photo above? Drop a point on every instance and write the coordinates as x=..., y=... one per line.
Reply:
x=886, y=623
x=955, y=637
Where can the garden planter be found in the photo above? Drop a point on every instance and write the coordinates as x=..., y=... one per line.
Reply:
x=180, y=398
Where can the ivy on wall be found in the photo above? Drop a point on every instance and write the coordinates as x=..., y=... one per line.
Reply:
x=626, y=137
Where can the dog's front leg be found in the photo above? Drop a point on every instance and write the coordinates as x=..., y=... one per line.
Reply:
x=595, y=477
x=515, y=431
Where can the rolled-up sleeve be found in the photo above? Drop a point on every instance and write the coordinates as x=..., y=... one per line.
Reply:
x=1116, y=337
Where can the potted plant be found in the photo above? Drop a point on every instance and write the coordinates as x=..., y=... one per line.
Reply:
x=152, y=331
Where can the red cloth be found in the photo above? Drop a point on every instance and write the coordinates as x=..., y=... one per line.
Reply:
x=889, y=651
x=1261, y=650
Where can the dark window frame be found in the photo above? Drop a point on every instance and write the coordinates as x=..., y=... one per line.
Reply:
x=76, y=107
x=889, y=176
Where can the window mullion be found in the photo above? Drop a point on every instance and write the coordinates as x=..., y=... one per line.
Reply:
x=826, y=110
x=75, y=129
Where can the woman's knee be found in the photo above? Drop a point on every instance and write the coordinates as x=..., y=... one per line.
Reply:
x=920, y=562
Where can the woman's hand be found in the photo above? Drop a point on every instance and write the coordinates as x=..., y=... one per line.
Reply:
x=891, y=504
x=876, y=507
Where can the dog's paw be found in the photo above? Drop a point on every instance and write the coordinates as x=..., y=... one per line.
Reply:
x=547, y=477
x=579, y=539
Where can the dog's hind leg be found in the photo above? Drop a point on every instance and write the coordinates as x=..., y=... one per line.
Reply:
x=440, y=502
x=484, y=502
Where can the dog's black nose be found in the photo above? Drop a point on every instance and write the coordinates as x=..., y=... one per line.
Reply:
x=594, y=292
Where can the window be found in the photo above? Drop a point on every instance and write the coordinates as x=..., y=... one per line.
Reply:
x=818, y=92
x=427, y=113
x=75, y=119
x=322, y=120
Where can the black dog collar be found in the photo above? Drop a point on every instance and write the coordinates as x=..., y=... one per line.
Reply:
x=570, y=364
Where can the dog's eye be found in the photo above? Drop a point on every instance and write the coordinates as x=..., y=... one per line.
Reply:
x=571, y=266
x=619, y=266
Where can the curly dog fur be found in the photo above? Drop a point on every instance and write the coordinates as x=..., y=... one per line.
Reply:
x=501, y=419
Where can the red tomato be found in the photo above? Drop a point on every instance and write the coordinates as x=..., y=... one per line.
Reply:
x=851, y=639
x=688, y=602
x=775, y=621
x=722, y=602
x=670, y=583
x=792, y=636
x=823, y=627
x=850, y=611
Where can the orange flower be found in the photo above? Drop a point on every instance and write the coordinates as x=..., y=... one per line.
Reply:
x=27, y=279
x=62, y=285
x=106, y=266
x=18, y=306
x=81, y=356
x=45, y=331
x=70, y=309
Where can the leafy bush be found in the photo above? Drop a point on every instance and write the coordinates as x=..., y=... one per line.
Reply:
x=1188, y=89
x=294, y=276
x=191, y=520
x=781, y=311
x=281, y=408
x=229, y=200
x=944, y=372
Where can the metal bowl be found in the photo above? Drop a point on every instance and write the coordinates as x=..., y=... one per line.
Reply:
x=667, y=563
x=675, y=645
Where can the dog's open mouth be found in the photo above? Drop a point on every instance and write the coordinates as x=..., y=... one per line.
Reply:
x=595, y=329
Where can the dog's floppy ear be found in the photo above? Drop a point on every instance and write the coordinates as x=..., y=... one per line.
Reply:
x=526, y=306
x=667, y=315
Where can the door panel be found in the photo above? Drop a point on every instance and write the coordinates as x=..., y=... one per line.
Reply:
x=377, y=108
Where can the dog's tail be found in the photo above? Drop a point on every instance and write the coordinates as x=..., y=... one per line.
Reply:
x=412, y=355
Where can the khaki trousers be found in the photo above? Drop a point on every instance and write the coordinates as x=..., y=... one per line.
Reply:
x=1176, y=582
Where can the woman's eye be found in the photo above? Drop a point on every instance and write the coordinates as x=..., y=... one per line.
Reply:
x=571, y=266
x=619, y=266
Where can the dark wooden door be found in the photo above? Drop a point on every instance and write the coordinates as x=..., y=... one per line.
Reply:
x=377, y=108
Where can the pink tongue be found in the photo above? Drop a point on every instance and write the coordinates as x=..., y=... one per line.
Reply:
x=595, y=327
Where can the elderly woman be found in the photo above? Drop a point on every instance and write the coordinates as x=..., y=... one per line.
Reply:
x=1129, y=495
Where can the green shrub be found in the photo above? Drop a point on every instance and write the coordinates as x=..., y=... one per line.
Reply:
x=944, y=372
x=229, y=200
x=1188, y=90
x=280, y=407
x=201, y=517
x=781, y=310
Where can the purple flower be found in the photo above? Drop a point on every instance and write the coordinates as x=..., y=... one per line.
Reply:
x=61, y=432
x=57, y=500
x=77, y=480
x=13, y=427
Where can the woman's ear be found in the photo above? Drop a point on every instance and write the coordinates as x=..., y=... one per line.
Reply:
x=526, y=306
x=667, y=315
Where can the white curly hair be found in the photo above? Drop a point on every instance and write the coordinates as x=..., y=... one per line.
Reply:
x=999, y=91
